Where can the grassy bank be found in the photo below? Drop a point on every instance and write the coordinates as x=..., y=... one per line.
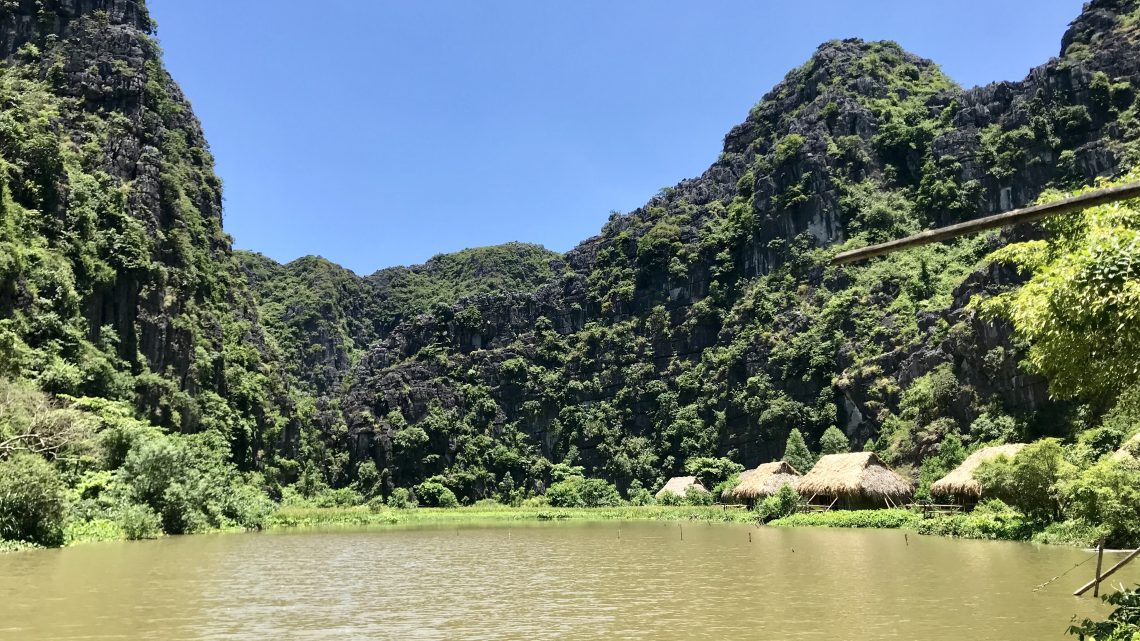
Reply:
x=302, y=517
x=1008, y=526
x=995, y=525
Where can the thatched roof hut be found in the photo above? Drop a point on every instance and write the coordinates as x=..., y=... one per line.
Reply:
x=858, y=479
x=679, y=485
x=961, y=481
x=761, y=482
x=1130, y=450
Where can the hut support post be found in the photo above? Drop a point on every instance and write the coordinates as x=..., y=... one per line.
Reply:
x=1107, y=573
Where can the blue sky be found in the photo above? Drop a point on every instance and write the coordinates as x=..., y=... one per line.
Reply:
x=378, y=133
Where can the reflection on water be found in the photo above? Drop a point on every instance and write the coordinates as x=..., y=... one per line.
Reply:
x=552, y=581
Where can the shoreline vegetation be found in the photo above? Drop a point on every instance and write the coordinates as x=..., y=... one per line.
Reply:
x=984, y=524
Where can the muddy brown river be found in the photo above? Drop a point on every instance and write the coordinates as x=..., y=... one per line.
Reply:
x=547, y=581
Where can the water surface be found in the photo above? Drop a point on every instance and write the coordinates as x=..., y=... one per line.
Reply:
x=547, y=581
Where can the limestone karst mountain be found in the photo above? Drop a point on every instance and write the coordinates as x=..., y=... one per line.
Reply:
x=704, y=323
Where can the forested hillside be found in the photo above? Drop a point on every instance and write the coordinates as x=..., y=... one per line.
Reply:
x=707, y=322
x=174, y=383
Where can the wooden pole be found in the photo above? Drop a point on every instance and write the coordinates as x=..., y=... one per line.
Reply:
x=1099, y=560
x=1016, y=217
x=1109, y=572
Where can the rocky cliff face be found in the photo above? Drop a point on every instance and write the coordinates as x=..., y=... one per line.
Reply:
x=113, y=222
x=706, y=322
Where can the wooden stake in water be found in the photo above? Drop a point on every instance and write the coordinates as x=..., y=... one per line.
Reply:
x=1109, y=572
x=1099, y=559
x=682, y=528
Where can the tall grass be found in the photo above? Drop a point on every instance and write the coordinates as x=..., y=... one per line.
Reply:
x=299, y=517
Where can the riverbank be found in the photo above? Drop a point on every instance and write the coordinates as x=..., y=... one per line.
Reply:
x=977, y=525
x=1003, y=525
x=302, y=517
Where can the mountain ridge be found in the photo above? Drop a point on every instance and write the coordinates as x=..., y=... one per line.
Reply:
x=705, y=323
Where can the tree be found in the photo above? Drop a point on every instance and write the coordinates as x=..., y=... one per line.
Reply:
x=31, y=421
x=434, y=493
x=1030, y=481
x=1081, y=304
x=578, y=491
x=1107, y=496
x=697, y=496
x=599, y=493
x=833, y=441
x=712, y=471
x=784, y=502
x=950, y=455
x=796, y=452
x=32, y=502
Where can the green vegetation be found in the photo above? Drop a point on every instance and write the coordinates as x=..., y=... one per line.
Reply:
x=154, y=382
x=833, y=441
x=797, y=454
x=1122, y=625
x=1081, y=304
x=330, y=517
x=784, y=503
x=32, y=504
x=883, y=519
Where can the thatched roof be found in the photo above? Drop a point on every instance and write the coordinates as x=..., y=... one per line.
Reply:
x=762, y=481
x=1130, y=450
x=680, y=484
x=853, y=475
x=961, y=481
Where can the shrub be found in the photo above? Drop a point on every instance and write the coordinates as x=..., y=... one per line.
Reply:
x=32, y=501
x=577, y=491
x=1069, y=532
x=565, y=493
x=536, y=501
x=246, y=505
x=638, y=495
x=783, y=503
x=991, y=520
x=1107, y=495
x=670, y=498
x=343, y=497
x=139, y=522
x=1028, y=482
x=93, y=530
x=950, y=455
x=729, y=483
x=1122, y=625
x=883, y=519
x=599, y=493
x=433, y=493
x=697, y=496
x=377, y=504
x=402, y=499
x=150, y=468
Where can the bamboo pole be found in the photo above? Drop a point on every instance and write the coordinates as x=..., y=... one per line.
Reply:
x=1016, y=217
x=1109, y=572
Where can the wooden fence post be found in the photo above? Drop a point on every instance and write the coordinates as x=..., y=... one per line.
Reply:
x=1099, y=559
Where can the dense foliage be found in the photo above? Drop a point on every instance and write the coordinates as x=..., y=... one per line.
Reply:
x=152, y=381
